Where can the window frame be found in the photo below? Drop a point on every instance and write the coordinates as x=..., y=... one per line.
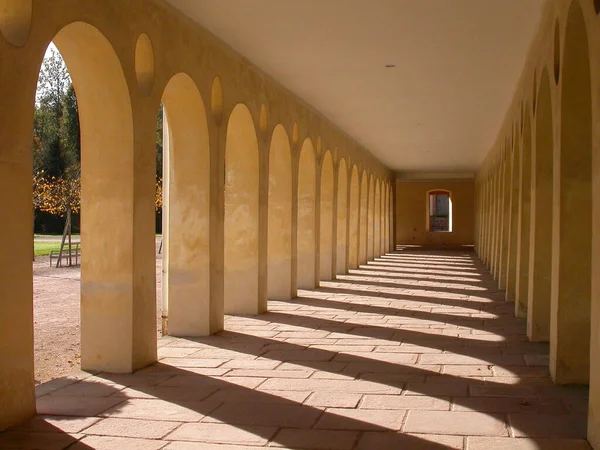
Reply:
x=428, y=195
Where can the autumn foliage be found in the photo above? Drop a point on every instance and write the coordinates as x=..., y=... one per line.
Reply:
x=158, y=200
x=57, y=147
x=57, y=195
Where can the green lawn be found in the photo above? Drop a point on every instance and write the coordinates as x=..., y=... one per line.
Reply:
x=48, y=236
x=44, y=248
x=52, y=236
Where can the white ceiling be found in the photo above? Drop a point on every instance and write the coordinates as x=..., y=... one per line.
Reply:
x=457, y=65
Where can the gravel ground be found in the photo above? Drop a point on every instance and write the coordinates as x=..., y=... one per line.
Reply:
x=57, y=318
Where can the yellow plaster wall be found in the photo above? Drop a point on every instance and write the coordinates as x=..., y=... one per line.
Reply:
x=411, y=213
x=564, y=60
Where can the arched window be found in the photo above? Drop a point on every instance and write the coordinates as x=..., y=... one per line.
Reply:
x=439, y=211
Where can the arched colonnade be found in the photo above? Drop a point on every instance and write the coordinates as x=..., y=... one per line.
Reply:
x=263, y=195
x=538, y=198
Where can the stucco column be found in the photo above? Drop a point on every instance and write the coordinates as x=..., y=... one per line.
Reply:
x=343, y=220
x=505, y=218
x=573, y=205
x=494, y=221
x=497, y=246
x=499, y=220
x=17, y=400
x=388, y=220
x=482, y=223
x=362, y=222
x=491, y=209
x=511, y=280
x=393, y=212
x=334, y=222
x=371, y=220
x=317, y=242
x=166, y=181
x=306, y=210
x=186, y=211
x=486, y=220
x=377, y=222
x=522, y=282
x=477, y=227
x=540, y=253
x=294, y=254
x=263, y=221
x=594, y=404
x=118, y=272
x=218, y=139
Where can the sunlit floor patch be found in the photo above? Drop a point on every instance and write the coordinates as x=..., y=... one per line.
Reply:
x=432, y=364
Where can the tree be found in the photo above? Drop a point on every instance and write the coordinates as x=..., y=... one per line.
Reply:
x=53, y=83
x=56, y=196
x=70, y=135
x=60, y=197
x=158, y=198
x=159, y=142
x=56, y=144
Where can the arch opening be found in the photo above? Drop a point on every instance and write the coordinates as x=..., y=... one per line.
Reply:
x=56, y=148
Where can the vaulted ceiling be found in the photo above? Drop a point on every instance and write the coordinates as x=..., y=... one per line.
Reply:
x=456, y=65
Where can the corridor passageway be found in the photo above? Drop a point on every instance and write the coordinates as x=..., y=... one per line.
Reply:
x=381, y=224
x=416, y=341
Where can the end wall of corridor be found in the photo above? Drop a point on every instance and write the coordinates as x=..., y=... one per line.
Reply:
x=411, y=212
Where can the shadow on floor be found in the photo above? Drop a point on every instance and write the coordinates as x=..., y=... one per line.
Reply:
x=337, y=368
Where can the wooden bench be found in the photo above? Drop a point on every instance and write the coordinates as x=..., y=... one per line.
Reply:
x=74, y=253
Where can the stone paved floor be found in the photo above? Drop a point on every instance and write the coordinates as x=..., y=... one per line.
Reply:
x=416, y=350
